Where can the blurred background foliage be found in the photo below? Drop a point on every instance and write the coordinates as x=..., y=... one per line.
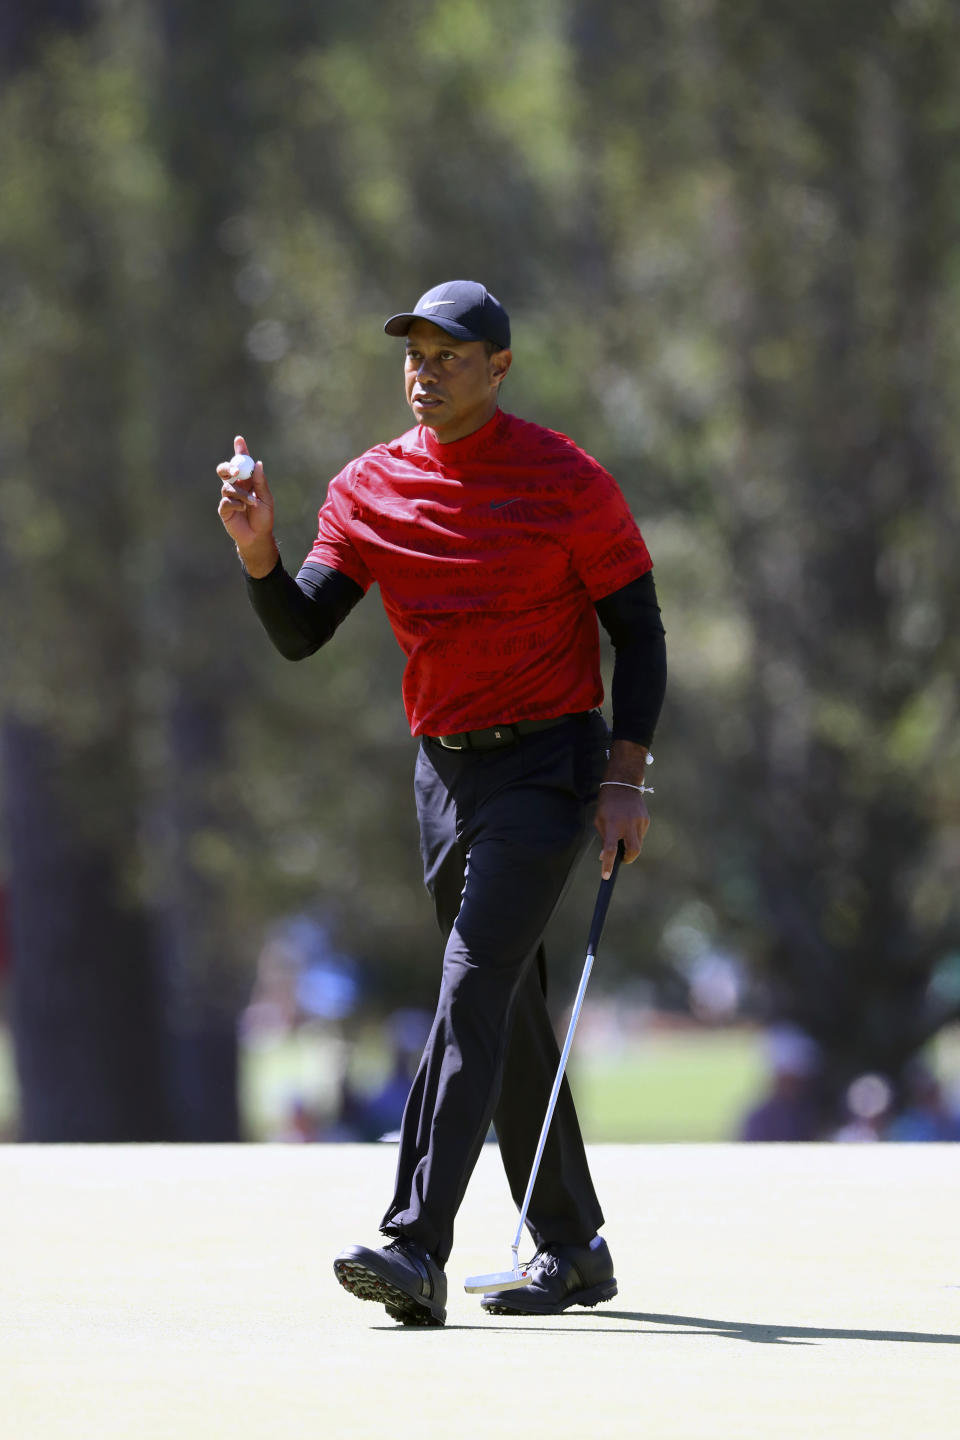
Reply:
x=727, y=234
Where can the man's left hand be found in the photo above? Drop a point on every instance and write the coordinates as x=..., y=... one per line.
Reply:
x=621, y=809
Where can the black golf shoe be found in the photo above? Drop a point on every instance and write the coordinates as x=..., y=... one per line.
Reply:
x=402, y=1277
x=561, y=1276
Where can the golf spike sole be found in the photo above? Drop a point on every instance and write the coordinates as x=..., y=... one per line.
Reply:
x=367, y=1286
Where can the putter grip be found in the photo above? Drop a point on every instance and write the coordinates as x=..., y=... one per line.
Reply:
x=603, y=903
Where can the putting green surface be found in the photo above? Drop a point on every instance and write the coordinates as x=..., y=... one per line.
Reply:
x=767, y=1291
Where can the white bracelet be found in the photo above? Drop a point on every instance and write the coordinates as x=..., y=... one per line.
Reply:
x=642, y=789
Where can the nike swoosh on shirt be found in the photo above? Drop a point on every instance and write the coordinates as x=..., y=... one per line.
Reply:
x=499, y=504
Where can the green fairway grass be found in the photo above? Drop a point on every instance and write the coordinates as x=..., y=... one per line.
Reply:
x=689, y=1086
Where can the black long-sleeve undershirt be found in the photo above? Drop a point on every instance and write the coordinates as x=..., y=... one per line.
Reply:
x=631, y=617
x=299, y=615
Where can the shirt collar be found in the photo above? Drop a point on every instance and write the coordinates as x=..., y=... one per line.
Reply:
x=456, y=451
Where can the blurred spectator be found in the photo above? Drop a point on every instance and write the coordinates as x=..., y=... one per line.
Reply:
x=363, y=1117
x=790, y=1110
x=300, y=1126
x=305, y=990
x=717, y=983
x=348, y=1124
x=300, y=976
x=407, y=1031
x=868, y=1102
x=924, y=1114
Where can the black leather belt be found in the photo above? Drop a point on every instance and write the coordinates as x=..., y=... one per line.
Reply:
x=497, y=735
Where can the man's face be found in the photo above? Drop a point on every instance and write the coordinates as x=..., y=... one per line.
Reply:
x=451, y=384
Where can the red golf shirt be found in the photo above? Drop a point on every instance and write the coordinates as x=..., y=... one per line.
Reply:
x=489, y=553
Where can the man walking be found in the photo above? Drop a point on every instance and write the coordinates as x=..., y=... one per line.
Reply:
x=496, y=545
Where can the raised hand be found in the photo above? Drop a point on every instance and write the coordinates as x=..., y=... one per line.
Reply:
x=246, y=511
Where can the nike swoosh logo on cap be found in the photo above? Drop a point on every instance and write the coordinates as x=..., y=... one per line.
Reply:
x=435, y=304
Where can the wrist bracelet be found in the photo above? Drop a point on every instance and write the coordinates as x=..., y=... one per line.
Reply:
x=641, y=789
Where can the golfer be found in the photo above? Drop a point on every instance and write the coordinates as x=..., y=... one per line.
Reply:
x=496, y=545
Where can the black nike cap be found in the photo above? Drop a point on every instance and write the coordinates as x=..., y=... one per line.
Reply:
x=464, y=308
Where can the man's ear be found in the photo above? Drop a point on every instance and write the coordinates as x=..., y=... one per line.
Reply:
x=500, y=362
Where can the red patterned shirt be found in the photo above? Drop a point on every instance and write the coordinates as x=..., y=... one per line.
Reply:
x=489, y=552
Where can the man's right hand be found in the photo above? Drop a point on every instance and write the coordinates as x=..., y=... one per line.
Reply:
x=246, y=510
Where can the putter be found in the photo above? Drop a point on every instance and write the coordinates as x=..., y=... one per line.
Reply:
x=519, y=1275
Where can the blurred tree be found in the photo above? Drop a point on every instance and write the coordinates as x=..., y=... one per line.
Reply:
x=798, y=400
x=84, y=999
x=841, y=505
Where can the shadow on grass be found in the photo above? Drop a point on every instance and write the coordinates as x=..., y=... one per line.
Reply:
x=738, y=1329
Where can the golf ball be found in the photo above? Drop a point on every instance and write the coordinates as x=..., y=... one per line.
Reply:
x=242, y=466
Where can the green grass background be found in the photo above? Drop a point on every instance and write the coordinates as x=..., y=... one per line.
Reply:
x=672, y=1086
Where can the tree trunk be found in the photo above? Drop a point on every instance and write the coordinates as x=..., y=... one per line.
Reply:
x=83, y=985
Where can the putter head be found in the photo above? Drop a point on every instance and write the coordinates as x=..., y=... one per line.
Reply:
x=506, y=1280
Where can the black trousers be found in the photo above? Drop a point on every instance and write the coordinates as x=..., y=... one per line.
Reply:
x=501, y=833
